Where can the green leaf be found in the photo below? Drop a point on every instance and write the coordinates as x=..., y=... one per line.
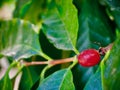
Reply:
x=111, y=69
x=5, y=83
x=32, y=10
x=114, y=6
x=60, y=24
x=94, y=82
x=29, y=78
x=94, y=25
x=18, y=39
x=82, y=75
x=60, y=80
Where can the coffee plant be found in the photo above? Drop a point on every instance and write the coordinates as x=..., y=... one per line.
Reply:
x=59, y=45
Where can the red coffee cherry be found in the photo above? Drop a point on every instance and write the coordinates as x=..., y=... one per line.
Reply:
x=89, y=57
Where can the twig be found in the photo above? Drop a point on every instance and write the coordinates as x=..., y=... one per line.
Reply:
x=61, y=61
x=34, y=63
x=52, y=62
x=103, y=50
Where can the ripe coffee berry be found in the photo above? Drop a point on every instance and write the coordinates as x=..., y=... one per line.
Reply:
x=89, y=57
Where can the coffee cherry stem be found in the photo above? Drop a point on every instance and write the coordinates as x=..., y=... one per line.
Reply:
x=51, y=62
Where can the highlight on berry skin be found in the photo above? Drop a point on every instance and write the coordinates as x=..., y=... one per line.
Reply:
x=89, y=57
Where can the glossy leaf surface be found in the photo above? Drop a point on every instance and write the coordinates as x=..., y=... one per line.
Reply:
x=94, y=82
x=60, y=80
x=93, y=23
x=60, y=24
x=18, y=39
